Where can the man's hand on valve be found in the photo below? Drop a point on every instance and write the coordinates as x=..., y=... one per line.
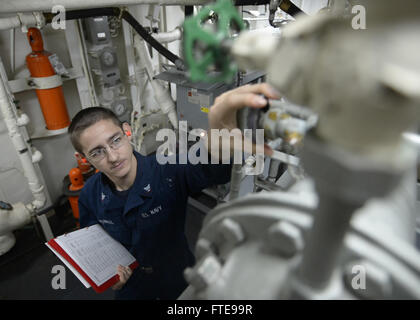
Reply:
x=222, y=114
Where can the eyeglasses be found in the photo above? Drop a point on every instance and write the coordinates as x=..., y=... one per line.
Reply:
x=100, y=153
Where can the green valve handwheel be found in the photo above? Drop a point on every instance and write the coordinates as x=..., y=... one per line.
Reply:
x=204, y=37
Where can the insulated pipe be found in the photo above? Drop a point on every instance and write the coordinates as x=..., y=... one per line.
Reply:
x=10, y=23
x=21, y=147
x=47, y=5
x=166, y=37
x=9, y=221
x=161, y=94
x=22, y=19
x=155, y=44
x=33, y=6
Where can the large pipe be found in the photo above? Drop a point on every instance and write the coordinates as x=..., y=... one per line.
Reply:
x=10, y=23
x=22, y=19
x=31, y=19
x=21, y=147
x=11, y=220
x=47, y=5
x=330, y=226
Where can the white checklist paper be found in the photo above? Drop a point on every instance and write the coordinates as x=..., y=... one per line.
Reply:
x=68, y=265
x=95, y=252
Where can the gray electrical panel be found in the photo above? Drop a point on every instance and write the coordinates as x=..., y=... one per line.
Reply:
x=97, y=30
x=108, y=65
x=102, y=54
x=105, y=68
x=194, y=99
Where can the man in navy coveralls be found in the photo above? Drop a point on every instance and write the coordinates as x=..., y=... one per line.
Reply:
x=141, y=203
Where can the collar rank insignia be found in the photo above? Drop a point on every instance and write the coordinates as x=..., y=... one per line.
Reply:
x=147, y=188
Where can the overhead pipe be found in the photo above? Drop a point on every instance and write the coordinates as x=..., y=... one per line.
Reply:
x=10, y=23
x=35, y=17
x=47, y=5
x=21, y=20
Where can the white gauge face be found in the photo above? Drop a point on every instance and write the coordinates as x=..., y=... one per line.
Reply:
x=119, y=109
x=108, y=58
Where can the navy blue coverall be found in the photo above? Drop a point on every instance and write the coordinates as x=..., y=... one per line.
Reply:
x=149, y=219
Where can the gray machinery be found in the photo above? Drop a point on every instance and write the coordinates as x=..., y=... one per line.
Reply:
x=347, y=229
x=193, y=101
x=195, y=98
x=104, y=64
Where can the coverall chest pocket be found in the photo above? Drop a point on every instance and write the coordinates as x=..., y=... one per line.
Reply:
x=113, y=223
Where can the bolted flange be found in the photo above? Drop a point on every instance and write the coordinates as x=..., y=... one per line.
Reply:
x=285, y=238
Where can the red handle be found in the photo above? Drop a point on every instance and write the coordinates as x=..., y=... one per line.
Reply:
x=35, y=39
x=76, y=177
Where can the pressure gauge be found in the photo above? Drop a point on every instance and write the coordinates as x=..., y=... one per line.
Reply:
x=119, y=109
x=108, y=58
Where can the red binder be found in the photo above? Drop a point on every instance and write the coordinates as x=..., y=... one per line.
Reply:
x=109, y=283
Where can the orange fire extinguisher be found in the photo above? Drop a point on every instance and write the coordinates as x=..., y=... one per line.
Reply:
x=50, y=92
x=76, y=185
x=83, y=164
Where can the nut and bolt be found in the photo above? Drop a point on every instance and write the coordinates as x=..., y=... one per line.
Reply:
x=203, y=248
x=231, y=231
x=285, y=238
x=204, y=273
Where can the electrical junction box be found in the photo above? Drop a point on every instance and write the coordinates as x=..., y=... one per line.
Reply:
x=108, y=64
x=97, y=30
x=102, y=55
x=194, y=99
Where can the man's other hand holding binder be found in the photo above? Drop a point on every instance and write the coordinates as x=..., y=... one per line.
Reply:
x=124, y=273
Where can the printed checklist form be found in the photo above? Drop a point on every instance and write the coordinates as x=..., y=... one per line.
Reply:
x=93, y=256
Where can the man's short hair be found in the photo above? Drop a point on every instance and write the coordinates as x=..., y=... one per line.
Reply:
x=86, y=118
